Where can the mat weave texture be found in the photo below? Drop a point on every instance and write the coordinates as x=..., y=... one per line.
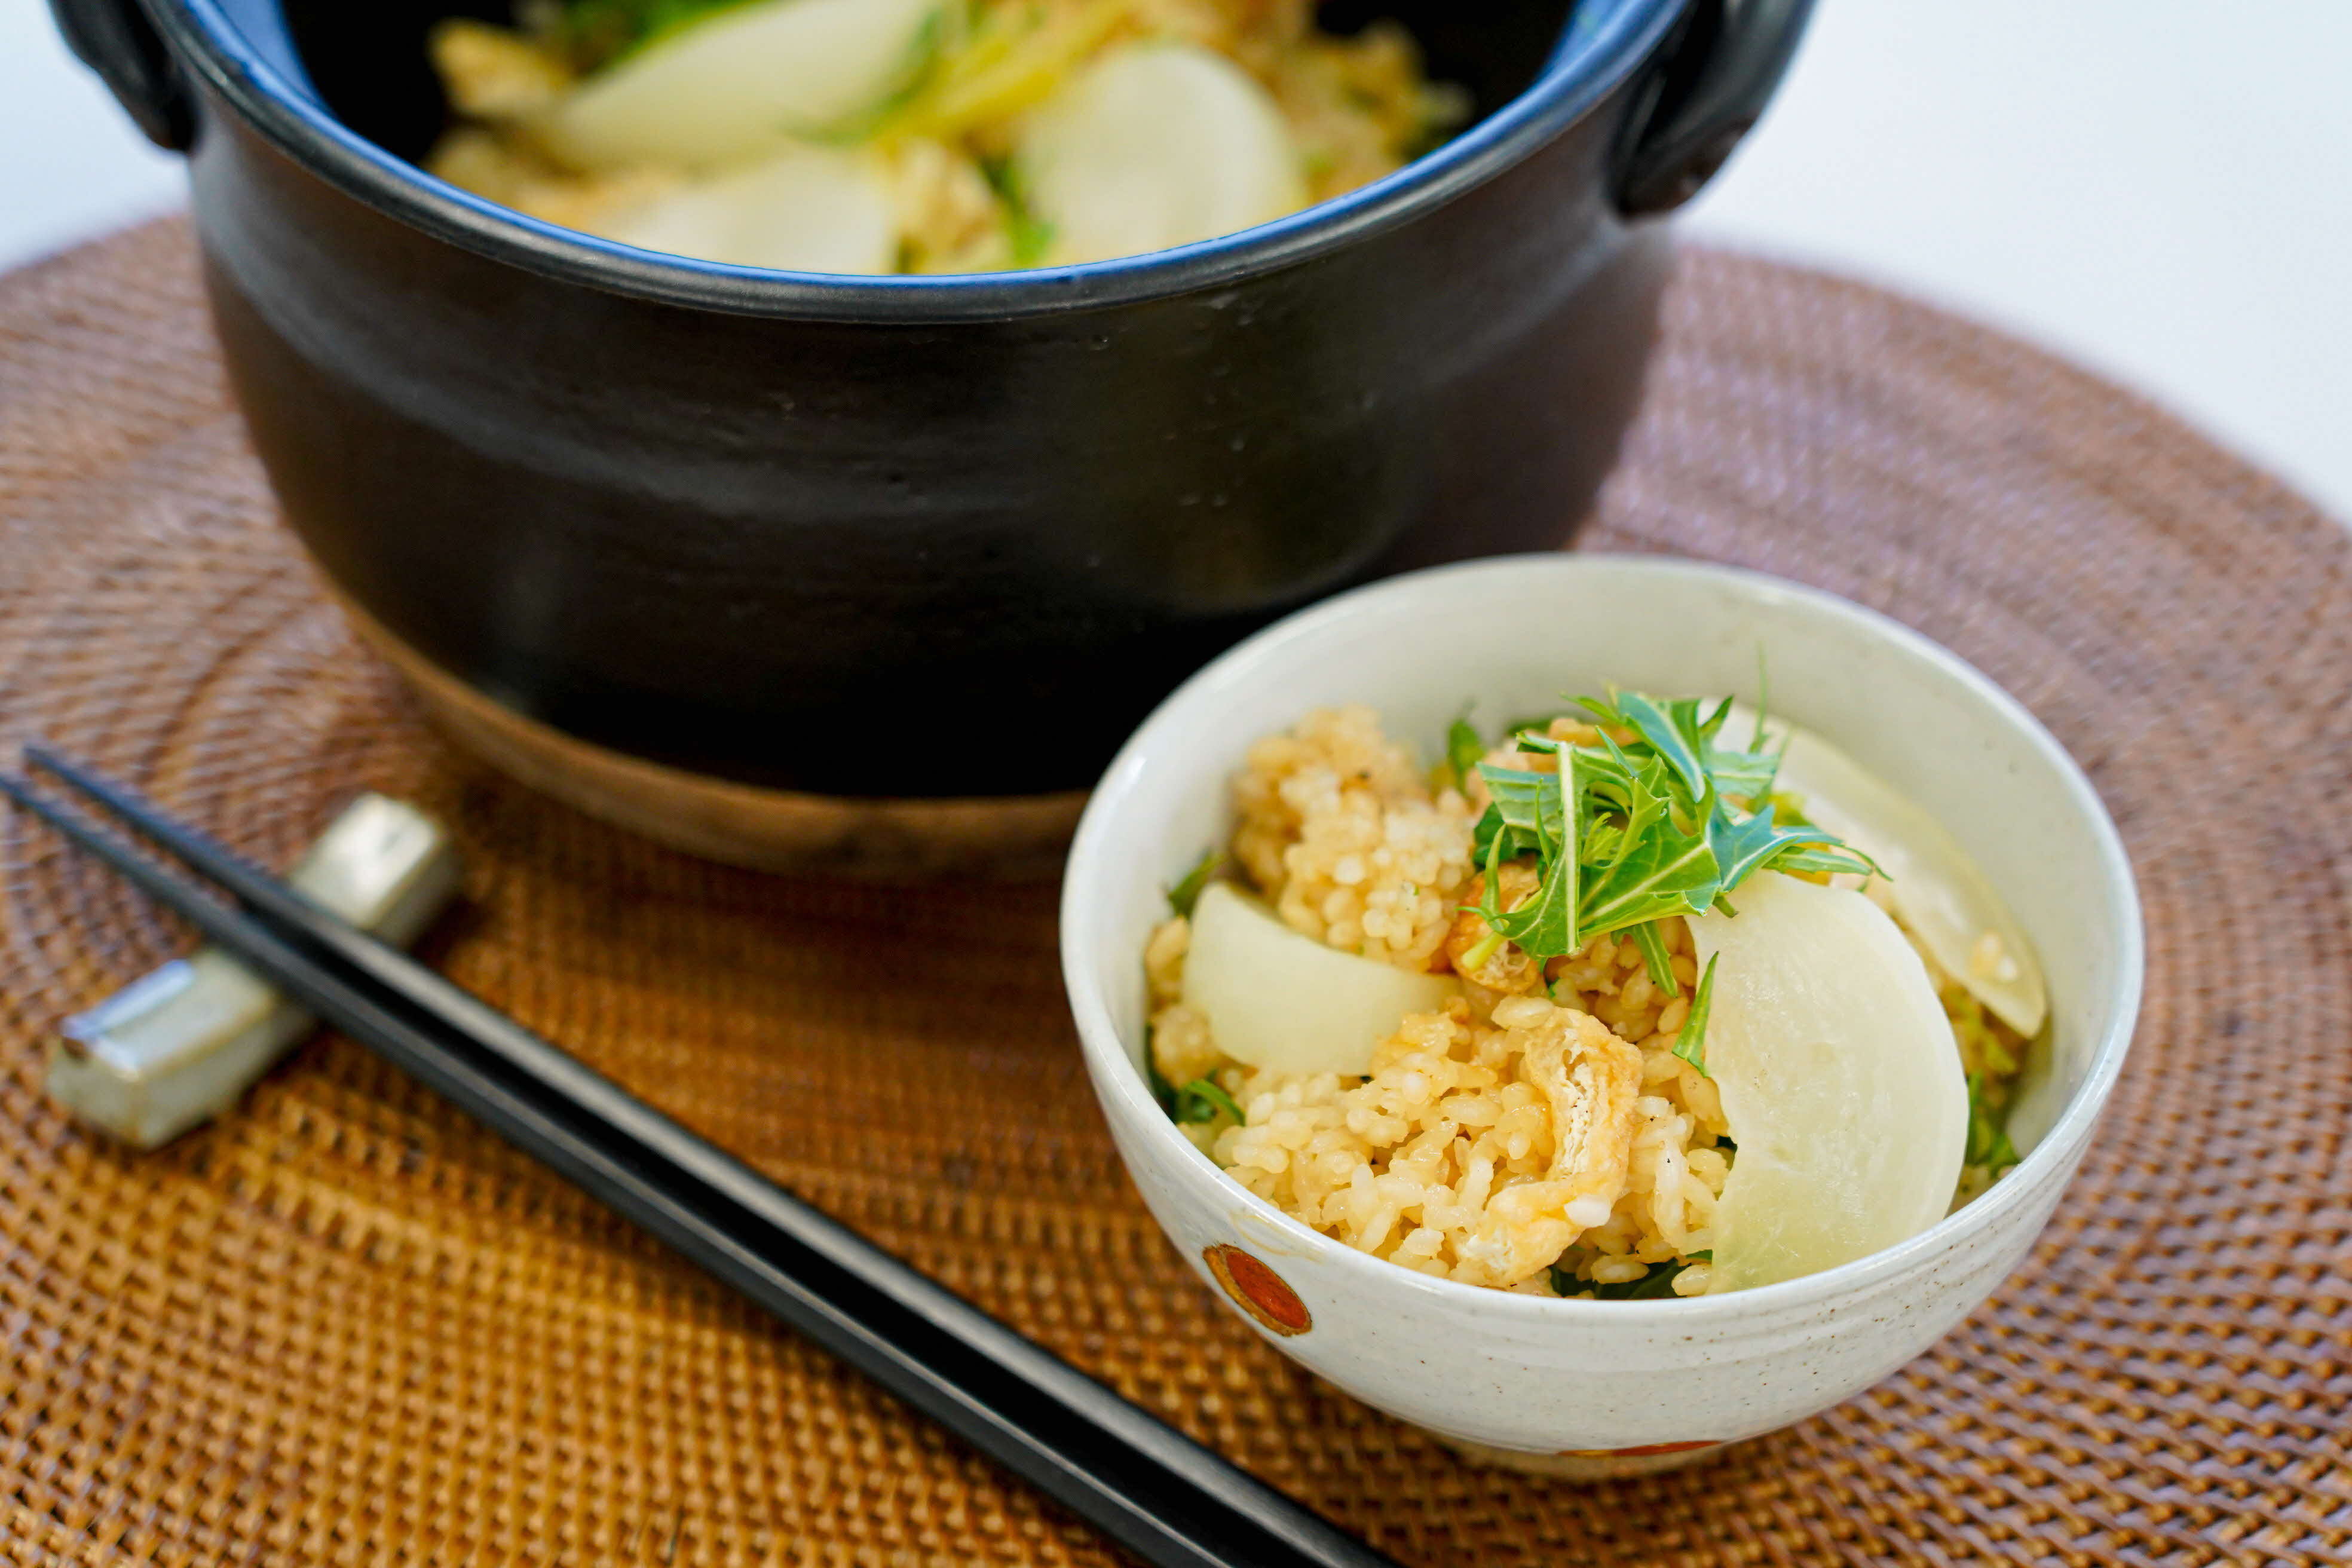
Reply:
x=344, y=1325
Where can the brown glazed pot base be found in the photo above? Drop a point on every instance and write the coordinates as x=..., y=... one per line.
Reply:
x=1015, y=837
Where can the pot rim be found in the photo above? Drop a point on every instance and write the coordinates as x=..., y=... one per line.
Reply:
x=1589, y=64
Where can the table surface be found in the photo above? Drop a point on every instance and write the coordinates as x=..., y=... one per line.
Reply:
x=2166, y=200
x=343, y=1326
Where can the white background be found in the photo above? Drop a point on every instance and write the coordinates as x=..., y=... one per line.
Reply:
x=2160, y=188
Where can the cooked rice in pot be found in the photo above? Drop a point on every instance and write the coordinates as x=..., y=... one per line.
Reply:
x=1357, y=107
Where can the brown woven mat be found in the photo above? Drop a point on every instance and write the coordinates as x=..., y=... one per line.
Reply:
x=343, y=1325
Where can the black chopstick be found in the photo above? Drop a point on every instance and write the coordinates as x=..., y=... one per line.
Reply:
x=1147, y=1486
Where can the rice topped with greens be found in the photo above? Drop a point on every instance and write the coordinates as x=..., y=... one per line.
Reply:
x=932, y=136
x=1550, y=1123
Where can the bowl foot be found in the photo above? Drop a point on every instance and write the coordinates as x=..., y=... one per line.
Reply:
x=1587, y=1465
x=1011, y=837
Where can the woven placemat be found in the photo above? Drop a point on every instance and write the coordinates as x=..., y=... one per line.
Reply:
x=344, y=1325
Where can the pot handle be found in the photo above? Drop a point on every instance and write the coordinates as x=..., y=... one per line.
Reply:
x=1708, y=89
x=114, y=38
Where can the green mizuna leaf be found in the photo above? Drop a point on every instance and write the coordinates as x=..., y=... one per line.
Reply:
x=1534, y=806
x=1667, y=872
x=1600, y=710
x=1161, y=1089
x=597, y=32
x=1658, y=1284
x=1545, y=925
x=1184, y=895
x=1463, y=748
x=1989, y=1141
x=1660, y=819
x=1516, y=793
x=1743, y=776
x=1749, y=844
x=1202, y=1100
x=1640, y=793
x=1031, y=236
x=1832, y=857
x=1690, y=1040
x=1524, y=807
x=1672, y=730
x=1660, y=962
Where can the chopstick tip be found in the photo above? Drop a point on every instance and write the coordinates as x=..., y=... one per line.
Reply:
x=40, y=754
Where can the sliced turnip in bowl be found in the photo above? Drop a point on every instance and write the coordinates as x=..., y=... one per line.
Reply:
x=804, y=209
x=737, y=85
x=1835, y=1065
x=1154, y=145
x=1935, y=887
x=1277, y=998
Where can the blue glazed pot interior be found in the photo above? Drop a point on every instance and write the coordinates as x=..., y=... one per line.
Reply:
x=342, y=98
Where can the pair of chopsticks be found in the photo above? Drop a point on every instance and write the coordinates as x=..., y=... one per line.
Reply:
x=1142, y=1482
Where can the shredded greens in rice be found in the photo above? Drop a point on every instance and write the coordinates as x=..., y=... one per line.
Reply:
x=1553, y=1130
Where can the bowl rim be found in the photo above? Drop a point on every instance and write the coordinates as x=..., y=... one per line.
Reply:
x=1590, y=63
x=1093, y=855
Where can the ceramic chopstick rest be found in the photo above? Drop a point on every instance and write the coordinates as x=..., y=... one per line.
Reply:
x=177, y=1046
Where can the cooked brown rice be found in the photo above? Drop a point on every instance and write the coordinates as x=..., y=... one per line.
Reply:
x=1541, y=1131
x=1357, y=107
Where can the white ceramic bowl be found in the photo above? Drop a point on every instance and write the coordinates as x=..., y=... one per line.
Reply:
x=1607, y=1386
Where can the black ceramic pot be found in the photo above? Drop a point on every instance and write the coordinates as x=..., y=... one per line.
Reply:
x=795, y=535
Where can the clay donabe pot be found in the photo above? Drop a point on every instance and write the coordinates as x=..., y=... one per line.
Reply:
x=789, y=567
